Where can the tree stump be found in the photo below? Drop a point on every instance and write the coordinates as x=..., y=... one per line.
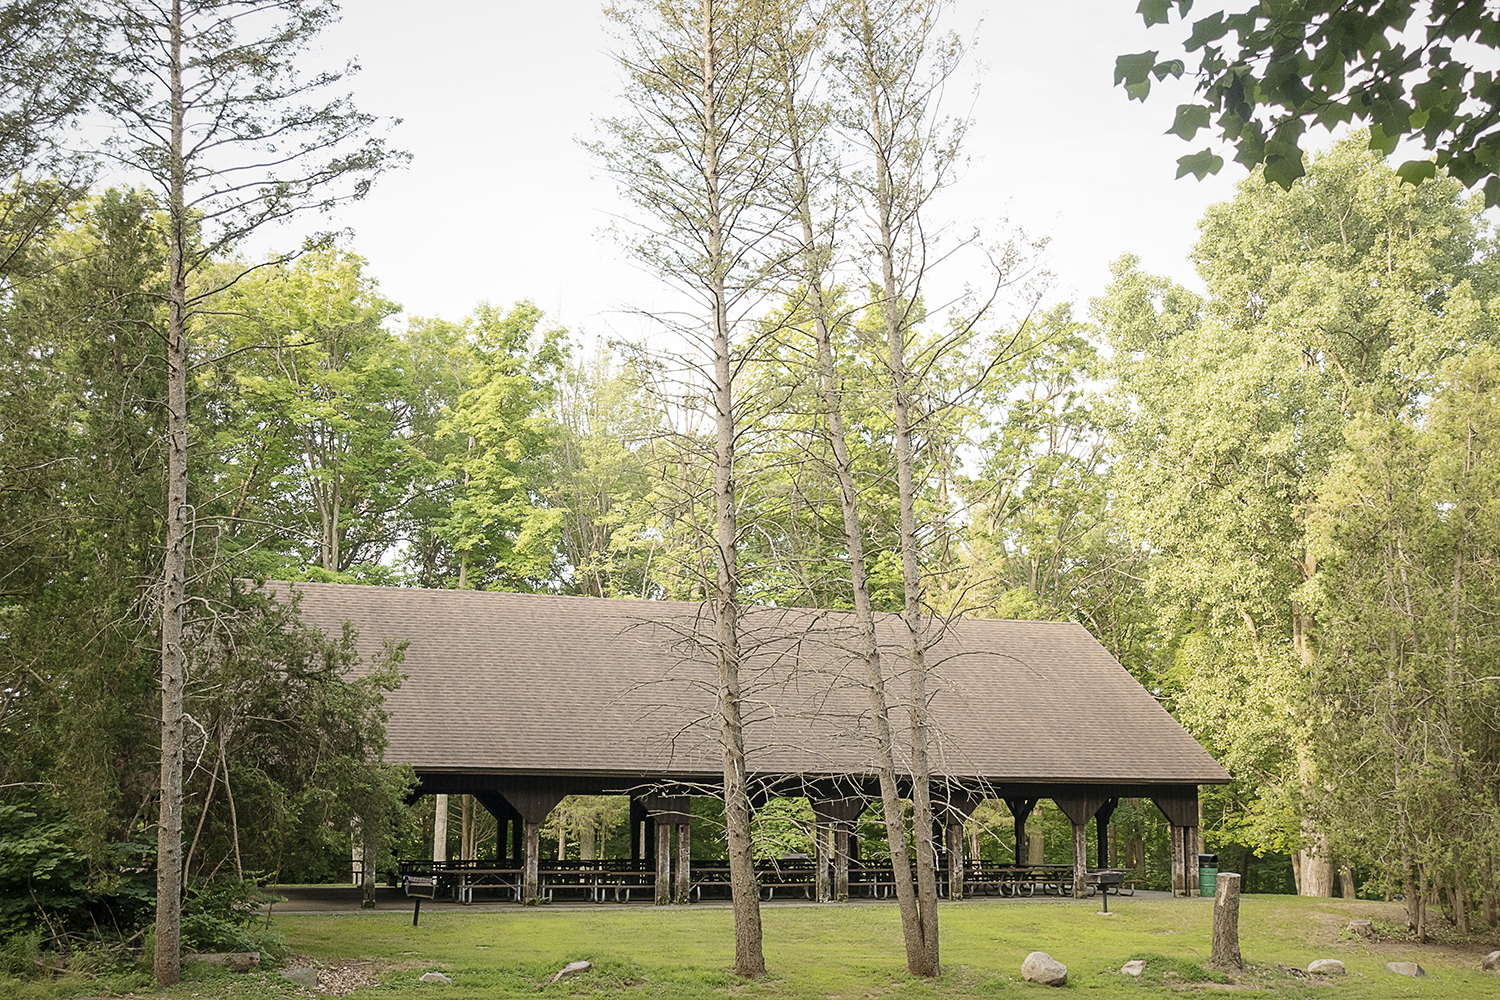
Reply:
x=1226, y=953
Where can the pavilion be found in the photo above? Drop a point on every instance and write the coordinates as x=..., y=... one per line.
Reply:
x=522, y=699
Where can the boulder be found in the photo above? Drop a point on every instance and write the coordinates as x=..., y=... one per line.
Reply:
x=434, y=977
x=305, y=978
x=1134, y=968
x=1406, y=969
x=1490, y=962
x=1326, y=967
x=1362, y=928
x=234, y=961
x=1041, y=967
x=571, y=969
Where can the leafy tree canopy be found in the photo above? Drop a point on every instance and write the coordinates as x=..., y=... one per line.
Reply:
x=1405, y=69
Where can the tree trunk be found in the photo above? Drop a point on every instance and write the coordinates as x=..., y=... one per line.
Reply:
x=822, y=891
x=865, y=642
x=367, y=866
x=1226, y=946
x=208, y=798
x=1346, y=883
x=167, y=959
x=926, y=961
x=684, y=890
x=234, y=820
x=1459, y=895
x=749, y=957
x=1490, y=888
x=1315, y=870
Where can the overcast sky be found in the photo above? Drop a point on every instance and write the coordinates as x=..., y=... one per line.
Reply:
x=501, y=202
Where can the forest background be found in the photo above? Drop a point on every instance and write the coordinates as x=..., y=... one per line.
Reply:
x=1274, y=499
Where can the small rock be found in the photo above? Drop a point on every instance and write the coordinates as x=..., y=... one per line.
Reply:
x=305, y=978
x=1041, y=967
x=434, y=977
x=571, y=969
x=1490, y=962
x=1363, y=928
x=1134, y=968
x=1326, y=967
x=234, y=961
x=1406, y=969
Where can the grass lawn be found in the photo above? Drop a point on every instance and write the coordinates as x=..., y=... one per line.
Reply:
x=827, y=952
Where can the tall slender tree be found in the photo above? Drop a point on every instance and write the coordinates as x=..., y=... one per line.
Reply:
x=696, y=155
x=209, y=107
x=893, y=65
x=798, y=32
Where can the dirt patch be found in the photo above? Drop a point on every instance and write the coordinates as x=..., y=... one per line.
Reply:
x=342, y=978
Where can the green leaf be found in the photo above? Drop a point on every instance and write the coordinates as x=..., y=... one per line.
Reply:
x=1417, y=171
x=1190, y=118
x=1133, y=68
x=1283, y=163
x=1383, y=144
x=1492, y=192
x=1199, y=164
x=1171, y=67
x=1154, y=11
x=1207, y=29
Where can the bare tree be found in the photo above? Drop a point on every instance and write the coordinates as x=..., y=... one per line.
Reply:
x=218, y=123
x=797, y=45
x=890, y=67
x=696, y=156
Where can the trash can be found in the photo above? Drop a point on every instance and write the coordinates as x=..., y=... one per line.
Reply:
x=1208, y=873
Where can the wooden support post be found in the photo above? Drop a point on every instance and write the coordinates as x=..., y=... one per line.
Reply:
x=663, y=862
x=531, y=879
x=841, y=837
x=955, y=860
x=1179, y=860
x=821, y=888
x=835, y=817
x=1226, y=950
x=637, y=830
x=440, y=828
x=1080, y=860
x=1019, y=810
x=1101, y=826
x=684, y=863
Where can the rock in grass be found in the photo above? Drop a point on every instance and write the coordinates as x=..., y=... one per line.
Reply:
x=1490, y=962
x=1406, y=969
x=434, y=977
x=1326, y=967
x=571, y=969
x=234, y=961
x=1041, y=967
x=305, y=978
x=1134, y=968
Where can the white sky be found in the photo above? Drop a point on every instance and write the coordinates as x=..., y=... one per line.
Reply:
x=501, y=203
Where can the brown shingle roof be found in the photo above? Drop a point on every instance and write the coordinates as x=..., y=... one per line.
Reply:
x=525, y=684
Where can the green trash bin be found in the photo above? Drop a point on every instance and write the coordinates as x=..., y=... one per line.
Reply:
x=1208, y=873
